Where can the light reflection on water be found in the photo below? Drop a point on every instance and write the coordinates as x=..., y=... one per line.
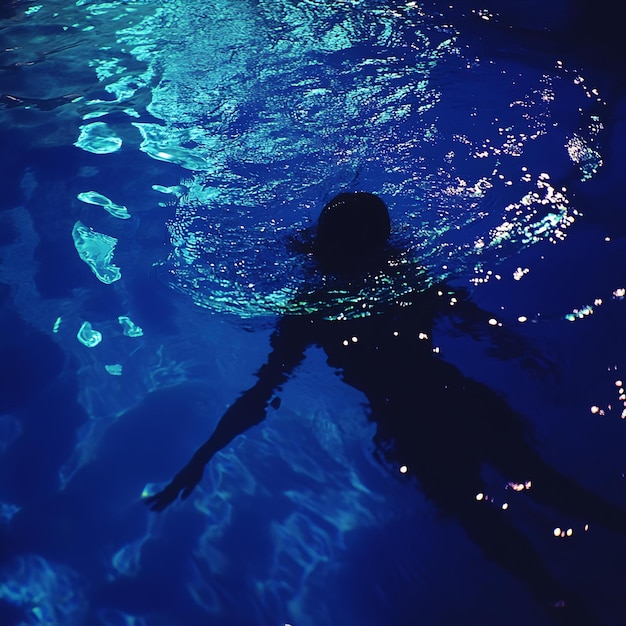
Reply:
x=459, y=199
x=279, y=106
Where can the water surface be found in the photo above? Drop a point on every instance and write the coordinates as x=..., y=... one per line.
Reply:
x=157, y=159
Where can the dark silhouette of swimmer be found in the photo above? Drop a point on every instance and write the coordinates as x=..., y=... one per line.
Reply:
x=441, y=425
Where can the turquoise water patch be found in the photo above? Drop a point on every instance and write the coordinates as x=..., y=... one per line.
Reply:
x=115, y=369
x=164, y=144
x=93, y=197
x=130, y=328
x=98, y=138
x=88, y=336
x=96, y=249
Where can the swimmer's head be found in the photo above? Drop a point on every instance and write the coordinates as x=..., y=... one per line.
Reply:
x=352, y=231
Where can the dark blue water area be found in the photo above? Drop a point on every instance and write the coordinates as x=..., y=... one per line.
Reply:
x=308, y=518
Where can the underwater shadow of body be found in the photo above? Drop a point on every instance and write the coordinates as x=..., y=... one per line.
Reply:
x=438, y=425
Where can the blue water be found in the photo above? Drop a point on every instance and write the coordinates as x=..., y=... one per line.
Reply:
x=158, y=158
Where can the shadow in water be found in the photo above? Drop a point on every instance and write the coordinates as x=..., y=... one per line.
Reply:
x=432, y=422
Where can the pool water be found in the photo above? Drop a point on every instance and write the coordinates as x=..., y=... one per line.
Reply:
x=158, y=161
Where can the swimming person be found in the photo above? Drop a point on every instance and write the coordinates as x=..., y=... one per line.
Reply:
x=430, y=419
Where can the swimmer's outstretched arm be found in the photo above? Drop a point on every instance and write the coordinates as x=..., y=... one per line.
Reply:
x=289, y=345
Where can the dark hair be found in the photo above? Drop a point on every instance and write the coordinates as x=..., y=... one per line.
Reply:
x=352, y=230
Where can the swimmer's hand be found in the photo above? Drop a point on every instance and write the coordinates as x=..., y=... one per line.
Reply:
x=182, y=484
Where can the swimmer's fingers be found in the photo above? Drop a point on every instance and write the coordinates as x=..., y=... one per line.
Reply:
x=183, y=484
x=160, y=501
